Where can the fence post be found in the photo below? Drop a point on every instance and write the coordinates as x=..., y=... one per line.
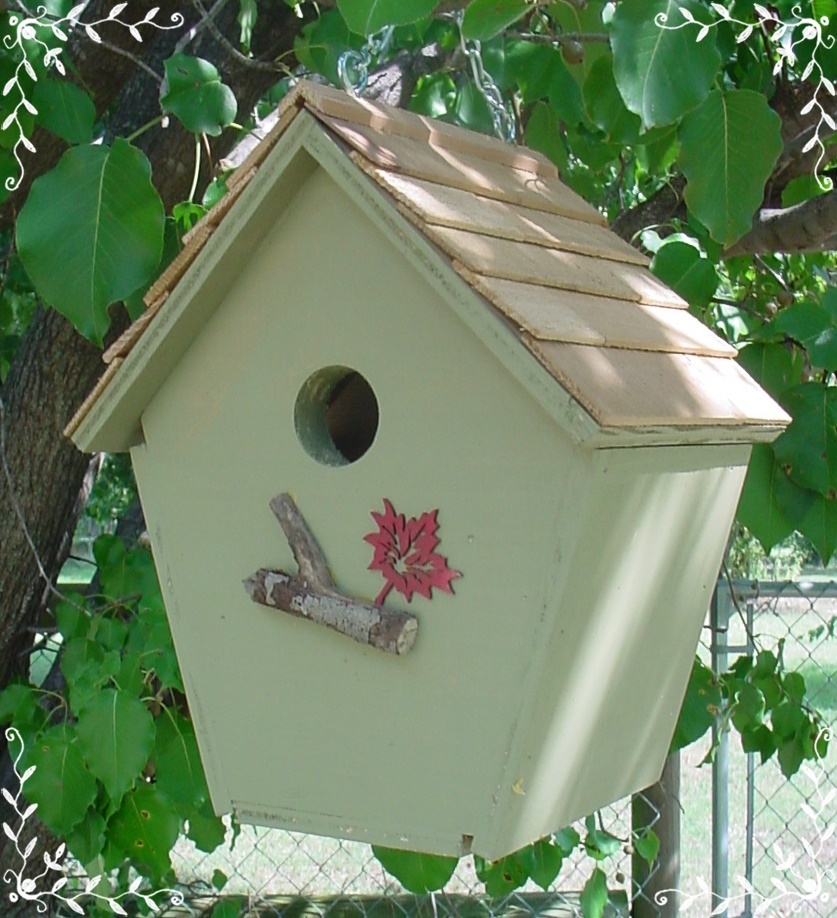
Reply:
x=719, y=621
x=658, y=807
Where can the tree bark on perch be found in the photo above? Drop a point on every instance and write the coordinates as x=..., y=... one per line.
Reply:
x=312, y=593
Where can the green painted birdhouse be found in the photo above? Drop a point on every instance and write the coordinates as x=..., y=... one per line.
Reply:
x=438, y=478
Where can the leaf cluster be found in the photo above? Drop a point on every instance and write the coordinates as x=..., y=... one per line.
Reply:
x=117, y=771
x=539, y=862
x=98, y=210
x=764, y=703
x=792, y=483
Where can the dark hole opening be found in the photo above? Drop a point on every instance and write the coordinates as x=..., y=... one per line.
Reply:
x=352, y=416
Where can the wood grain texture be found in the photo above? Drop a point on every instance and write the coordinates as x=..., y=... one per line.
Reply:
x=456, y=170
x=458, y=209
x=533, y=264
x=384, y=119
x=623, y=388
x=385, y=629
x=580, y=318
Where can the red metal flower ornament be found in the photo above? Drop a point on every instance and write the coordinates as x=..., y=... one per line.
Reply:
x=405, y=553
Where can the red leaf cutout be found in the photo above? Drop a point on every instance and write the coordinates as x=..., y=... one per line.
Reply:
x=405, y=553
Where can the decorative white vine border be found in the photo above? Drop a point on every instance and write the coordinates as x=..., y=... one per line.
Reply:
x=28, y=888
x=27, y=30
x=812, y=30
x=800, y=882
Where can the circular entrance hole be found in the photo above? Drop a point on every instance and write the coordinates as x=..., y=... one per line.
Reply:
x=336, y=416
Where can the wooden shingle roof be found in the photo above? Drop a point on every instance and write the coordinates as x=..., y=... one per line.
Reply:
x=578, y=298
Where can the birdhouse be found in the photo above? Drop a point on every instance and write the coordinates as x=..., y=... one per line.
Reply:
x=438, y=477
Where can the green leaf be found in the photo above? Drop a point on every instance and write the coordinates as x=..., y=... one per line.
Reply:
x=87, y=839
x=657, y=152
x=109, y=632
x=229, y=908
x=791, y=756
x=186, y=214
x=486, y=18
x=539, y=72
x=686, y=271
x=125, y=573
x=91, y=232
x=661, y=73
x=115, y=735
x=702, y=701
x=151, y=637
x=594, y=895
x=417, y=873
x=206, y=829
x=546, y=860
x=177, y=764
x=193, y=92
x=247, y=14
x=565, y=94
x=728, y=147
x=786, y=718
x=581, y=17
x=766, y=663
x=800, y=189
x=502, y=876
x=771, y=505
x=808, y=447
x=598, y=843
x=772, y=365
x=146, y=827
x=567, y=840
x=215, y=190
x=471, y=110
x=749, y=707
x=647, y=846
x=794, y=684
x=434, y=95
x=61, y=785
x=65, y=110
x=819, y=524
x=81, y=661
x=366, y=17
x=219, y=879
x=18, y=705
x=71, y=619
x=604, y=105
x=812, y=326
x=321, y=42
x=543, y=134
x=758, y=739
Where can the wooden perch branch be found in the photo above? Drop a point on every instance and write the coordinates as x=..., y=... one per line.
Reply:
x=312, y=594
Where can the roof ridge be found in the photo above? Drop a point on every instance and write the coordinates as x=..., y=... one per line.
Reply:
x=335, y=103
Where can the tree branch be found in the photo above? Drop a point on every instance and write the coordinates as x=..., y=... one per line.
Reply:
x=806, y=227
x=313, y=595
x=661, y=207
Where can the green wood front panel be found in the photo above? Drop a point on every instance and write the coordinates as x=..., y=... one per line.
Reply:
x=615, y=670
x=297, y=725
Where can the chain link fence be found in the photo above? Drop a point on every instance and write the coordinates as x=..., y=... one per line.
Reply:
x=270, y=872
x=763, y=828
x=771, y=832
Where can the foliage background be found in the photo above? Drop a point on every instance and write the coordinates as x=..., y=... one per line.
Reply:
x=703, y=132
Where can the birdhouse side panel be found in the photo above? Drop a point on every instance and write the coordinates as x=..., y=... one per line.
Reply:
x=301, y=726
x=621, y=652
